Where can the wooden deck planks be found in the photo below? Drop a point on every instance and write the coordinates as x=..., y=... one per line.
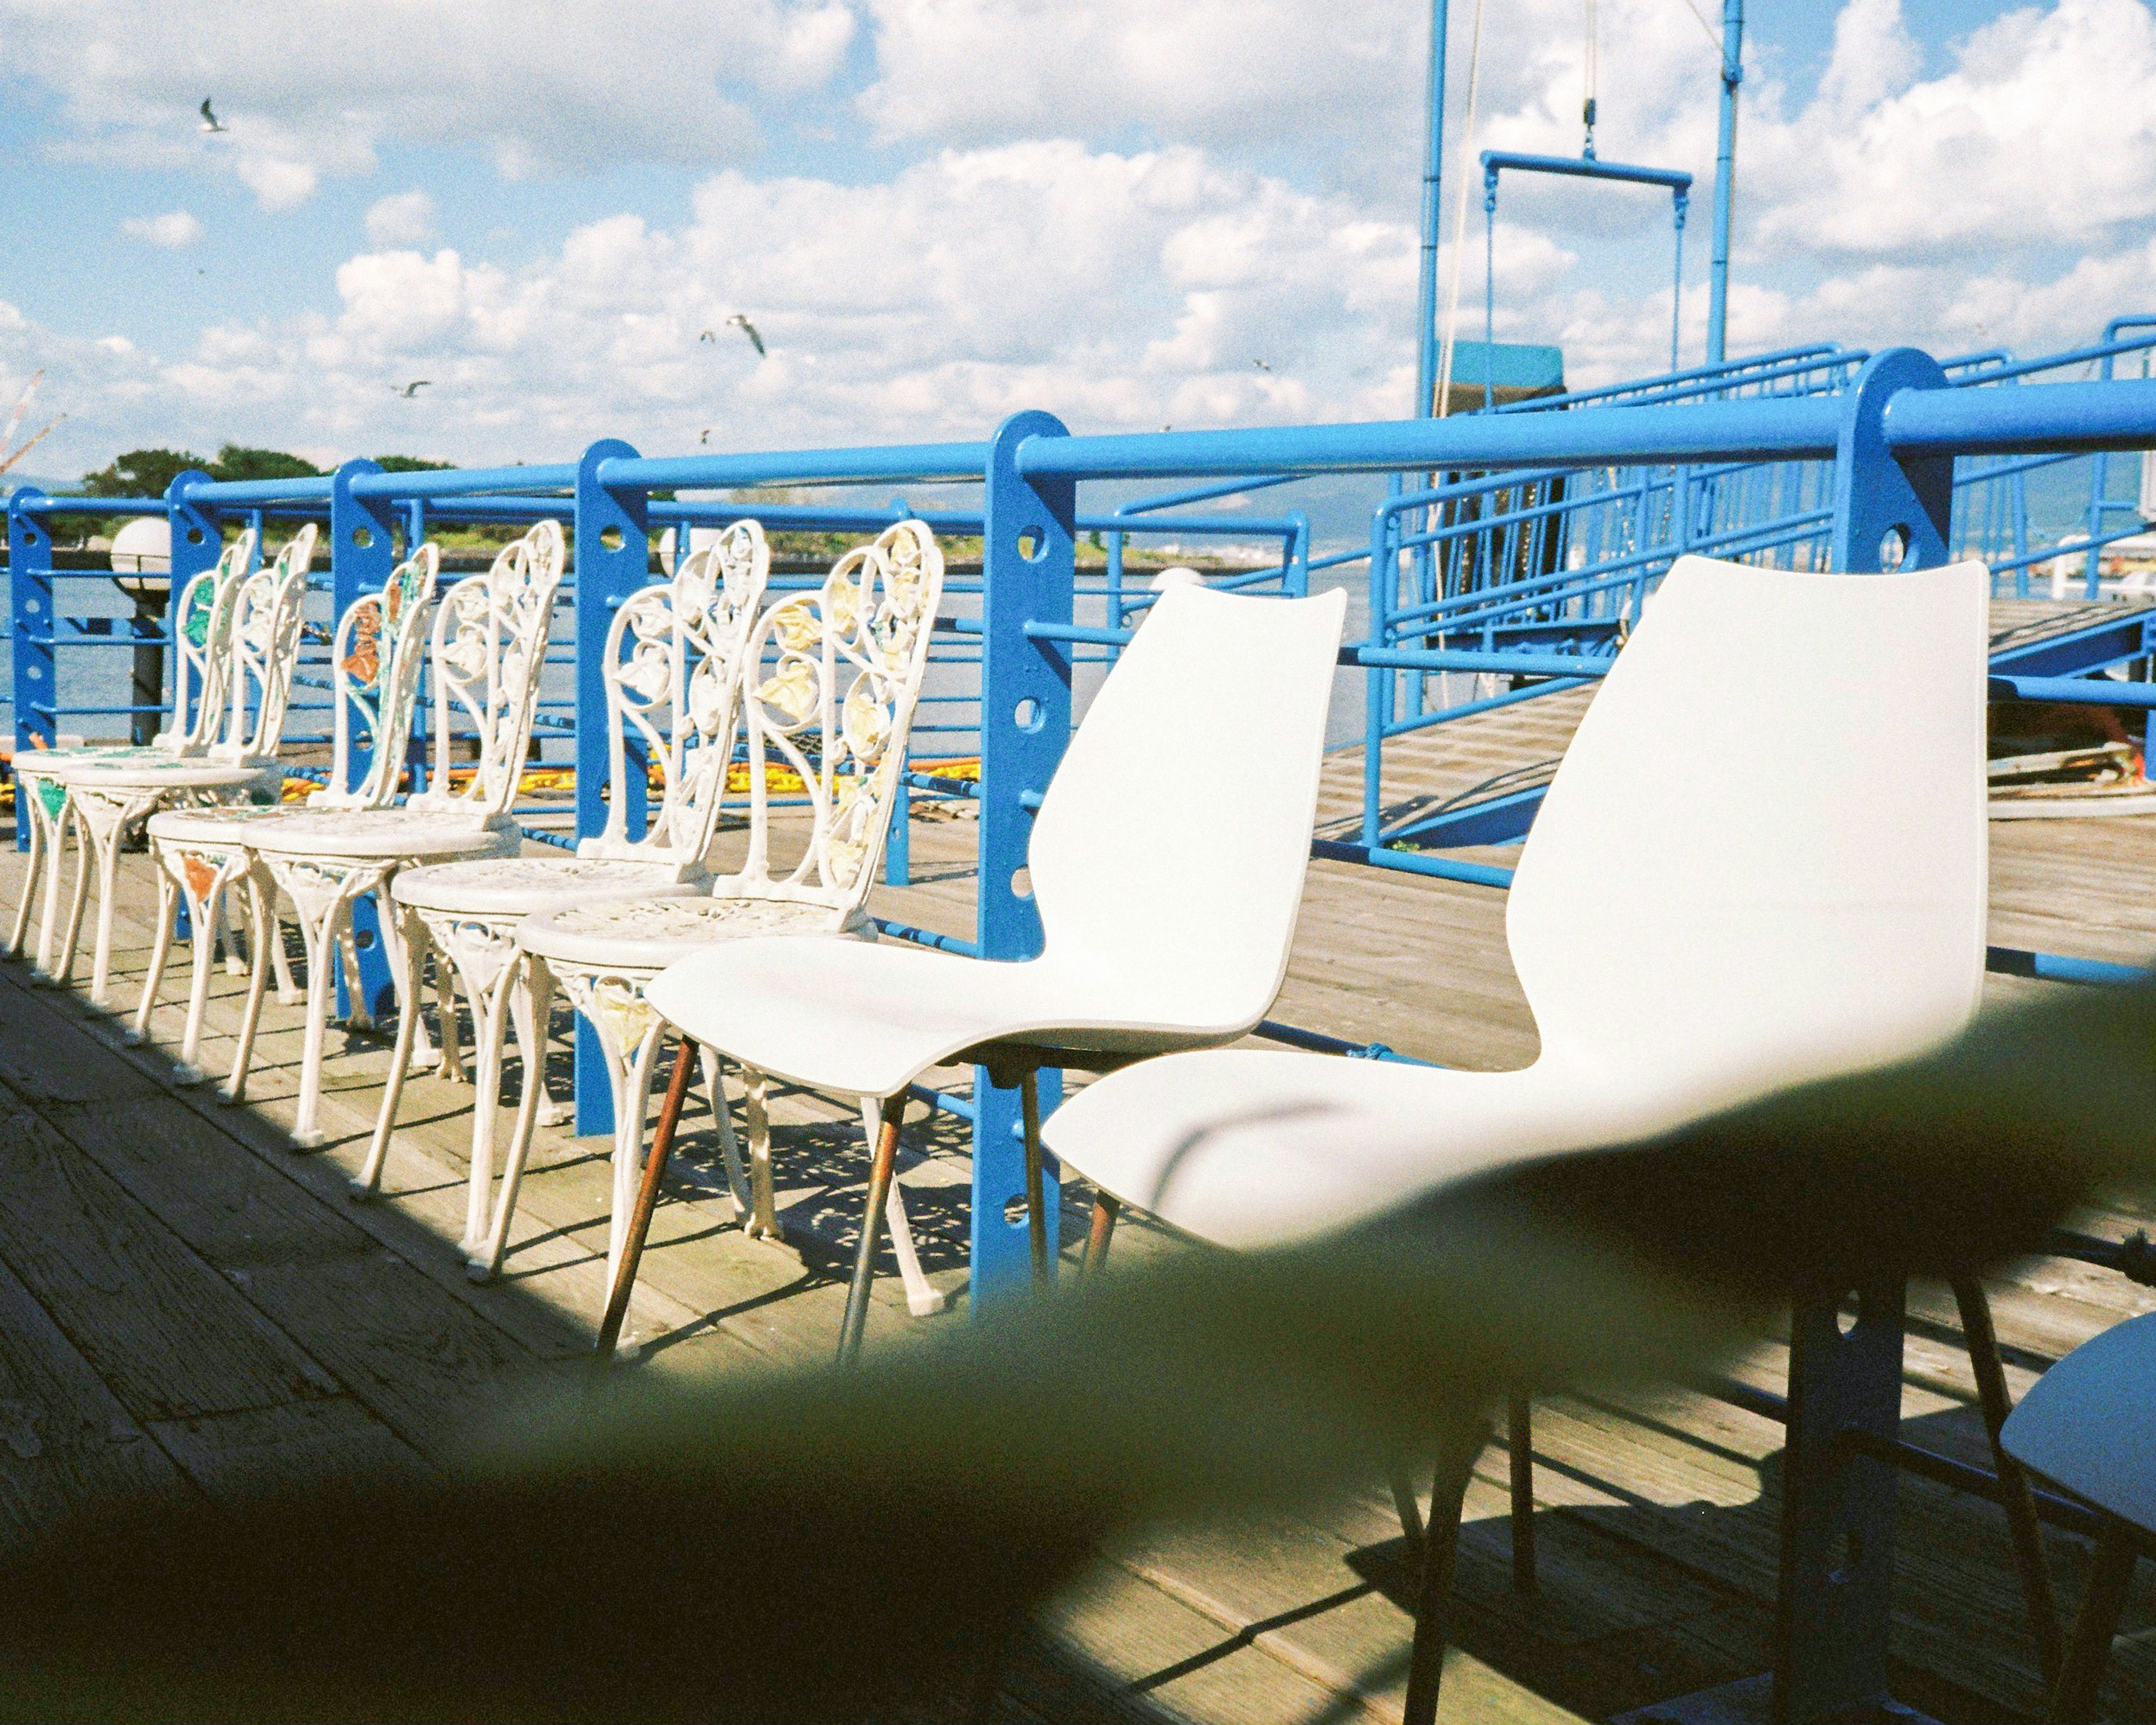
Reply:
x=1658, y=1510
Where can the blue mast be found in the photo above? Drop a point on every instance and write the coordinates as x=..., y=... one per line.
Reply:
x=1725, y=173
x=1432, y=154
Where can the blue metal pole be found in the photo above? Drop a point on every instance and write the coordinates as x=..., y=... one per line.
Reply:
x=612, y=561
x=1433, y=155
x=1724, y=178
x=30, y=605
x=1028, y=575
x=363, y=551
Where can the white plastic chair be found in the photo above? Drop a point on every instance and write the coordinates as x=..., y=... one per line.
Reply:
x=673, y=666
x=2089, y=1424
x=1762, y=860
x=201, y=854
x=1167, y=862
x=835, y=675
x=229, y=754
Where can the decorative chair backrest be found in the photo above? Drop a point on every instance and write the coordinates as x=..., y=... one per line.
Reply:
x=675, y=663
x=846, y=670
x=202, y=632
x=380, y=645
x=490, y=636
x=266, y=641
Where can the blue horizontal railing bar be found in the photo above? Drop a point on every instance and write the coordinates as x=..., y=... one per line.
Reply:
x=1318, y=1042
x=926, y=937
x=1586, y=167
x=942, y=787
x=961, y=1106
x=1730, y=375
x=1433, y=659
x=928, y=463
x=1410, y=862
x=2085, y=691
x=2053, y=968
x=2070, y=356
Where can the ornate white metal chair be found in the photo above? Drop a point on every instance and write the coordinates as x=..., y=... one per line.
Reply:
x=1166, y=860
x=832, y=681
x=110, y=794
x=674, y=664
x=202, y=639
x=488, y=649
x=1694, y=924
x=202, y=854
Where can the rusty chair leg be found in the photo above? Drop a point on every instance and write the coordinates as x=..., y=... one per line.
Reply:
x=1458, y=1447
x=1982, y=1339
x=1520, y=1444
x=1107, y=1209
x=855, y=1324
x=647, y=1198
x=1036, y=1197
x=2081, y=1672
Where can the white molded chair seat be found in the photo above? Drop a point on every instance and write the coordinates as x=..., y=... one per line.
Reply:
x=1167, y=861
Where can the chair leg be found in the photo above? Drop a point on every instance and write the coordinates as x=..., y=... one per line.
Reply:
x=1982, y=1339
x=1520, y=1442
x=1409, y=1509
x=368, y=1181
x=2088, y=1650
x=530, y=993
x=1036, y=1199
x=61, y=972
x=855, y=1324
x=25, y=795
x=722, y=1117
x=1106, y=1207
x=1459, y=1446
x=161, y=948
x=647, y=1200
x=762, y=1222
x=262, y=918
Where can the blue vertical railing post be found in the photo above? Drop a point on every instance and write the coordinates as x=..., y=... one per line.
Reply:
x=1028, y=572
x=30, y=608
x=1725, y=179
x=363, y=551
x=612, y=561
x=1834, y=1608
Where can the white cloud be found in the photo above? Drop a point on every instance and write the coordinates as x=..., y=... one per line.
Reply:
x=404, y=218
x=2044, y=131
x=548, y=84
x=173, y=229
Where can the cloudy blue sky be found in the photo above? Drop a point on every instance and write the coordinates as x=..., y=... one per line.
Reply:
x=940, y=211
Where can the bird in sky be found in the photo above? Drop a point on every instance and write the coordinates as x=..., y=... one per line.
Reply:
x=1262, y=365
x=740, y=321
x=410, y=391
x=210, y=122
x=705, y=436
x=709, y=336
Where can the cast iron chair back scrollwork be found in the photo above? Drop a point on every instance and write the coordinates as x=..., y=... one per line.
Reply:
x=674, y=660
x=202, y=640
x=835, y=705
x=265, y=644
x=376, y=656
x=489, y=647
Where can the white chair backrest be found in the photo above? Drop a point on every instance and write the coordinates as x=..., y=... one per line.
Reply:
x=2090, y=1422
x=491, y=635
x=379, y=647
x=1763, y=856
x=846, y=670
x=266, y=643
x=675, y=658
x=1170, y=846
x=202, y=639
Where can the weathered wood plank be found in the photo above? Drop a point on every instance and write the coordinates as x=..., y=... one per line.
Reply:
x=241, y=1454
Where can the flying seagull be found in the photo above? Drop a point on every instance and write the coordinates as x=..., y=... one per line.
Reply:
x=1262, y=365
x=705, y=436
x=411, y=390
x=210, y=122
x=740, y=321
x=708, y=335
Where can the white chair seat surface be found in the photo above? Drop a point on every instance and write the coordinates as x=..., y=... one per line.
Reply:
x=773, y=1005
x=408, y=831
x=652, y=934
x=1249, y=1147
x=520, y=886
x=210, y=826
x=2090, y=1422
x=157, y=769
